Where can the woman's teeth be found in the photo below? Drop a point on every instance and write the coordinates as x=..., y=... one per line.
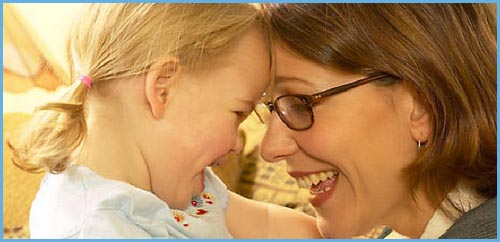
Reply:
x=315, y=179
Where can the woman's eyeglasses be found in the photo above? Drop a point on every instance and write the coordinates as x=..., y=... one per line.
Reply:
x=295, y=110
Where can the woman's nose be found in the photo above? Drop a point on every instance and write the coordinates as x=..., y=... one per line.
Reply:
x=278, y=142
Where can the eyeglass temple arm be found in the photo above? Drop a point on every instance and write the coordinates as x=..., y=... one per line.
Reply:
x=345, y=87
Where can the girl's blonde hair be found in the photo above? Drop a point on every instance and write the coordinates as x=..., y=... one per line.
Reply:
x=110, y=42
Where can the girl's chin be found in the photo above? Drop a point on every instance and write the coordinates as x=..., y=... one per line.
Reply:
x=199, y=183
x=179, y=205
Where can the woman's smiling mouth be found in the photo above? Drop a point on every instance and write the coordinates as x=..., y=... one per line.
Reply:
x=321, y=184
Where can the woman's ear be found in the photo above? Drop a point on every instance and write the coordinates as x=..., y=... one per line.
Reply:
x=159, y=80
x=420, y=122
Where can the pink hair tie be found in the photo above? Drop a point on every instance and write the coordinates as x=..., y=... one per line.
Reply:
x=86, y=80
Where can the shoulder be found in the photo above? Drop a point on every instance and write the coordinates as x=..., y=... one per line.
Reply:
x=68, y=204
x=116, y=223
x=480, y=222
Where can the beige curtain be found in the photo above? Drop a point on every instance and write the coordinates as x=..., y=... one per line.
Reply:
x=26, y=65
x=26, y=62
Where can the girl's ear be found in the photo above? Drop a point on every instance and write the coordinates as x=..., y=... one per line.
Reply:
x=159, y=80
x=420, y=122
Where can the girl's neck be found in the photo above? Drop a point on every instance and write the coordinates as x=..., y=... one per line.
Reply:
x=111, y=152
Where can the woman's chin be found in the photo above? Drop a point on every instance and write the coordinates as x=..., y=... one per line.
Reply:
x=331, y=230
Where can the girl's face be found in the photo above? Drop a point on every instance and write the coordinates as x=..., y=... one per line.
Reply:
x=200, y=125
x=359, y=143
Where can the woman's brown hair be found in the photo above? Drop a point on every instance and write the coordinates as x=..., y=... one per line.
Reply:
x=444, y=53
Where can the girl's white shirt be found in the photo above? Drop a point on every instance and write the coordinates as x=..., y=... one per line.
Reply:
x=81, y=204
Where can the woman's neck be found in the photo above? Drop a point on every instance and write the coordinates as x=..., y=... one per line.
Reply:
x=412, y=220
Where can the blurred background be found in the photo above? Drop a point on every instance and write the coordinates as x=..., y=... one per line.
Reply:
x=35, y=70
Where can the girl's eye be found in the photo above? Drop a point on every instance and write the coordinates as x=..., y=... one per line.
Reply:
x=241, y=115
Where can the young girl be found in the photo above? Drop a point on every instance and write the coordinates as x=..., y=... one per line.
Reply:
x=159, y=93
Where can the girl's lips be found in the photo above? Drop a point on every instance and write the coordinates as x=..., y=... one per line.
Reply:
x=220, y=160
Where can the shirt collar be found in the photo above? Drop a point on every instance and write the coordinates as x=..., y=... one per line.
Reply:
x=438, y=224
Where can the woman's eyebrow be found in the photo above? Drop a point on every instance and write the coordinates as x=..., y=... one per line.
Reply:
x=292, y=79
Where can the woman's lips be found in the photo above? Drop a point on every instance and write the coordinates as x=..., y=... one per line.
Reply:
x=321, y=184
x=323, y=191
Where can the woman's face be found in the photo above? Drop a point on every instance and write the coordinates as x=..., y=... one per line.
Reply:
x=360, y=141
x=203, y=112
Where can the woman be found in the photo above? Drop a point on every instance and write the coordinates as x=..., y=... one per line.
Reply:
x=387, y=113
x=159, y=94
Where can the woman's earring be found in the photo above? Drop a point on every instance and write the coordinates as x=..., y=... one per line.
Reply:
x=420, y=144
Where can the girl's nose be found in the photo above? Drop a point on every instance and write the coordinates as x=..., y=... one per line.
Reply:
x=239, y=143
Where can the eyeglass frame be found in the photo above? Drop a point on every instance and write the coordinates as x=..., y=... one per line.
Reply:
x=310, y=100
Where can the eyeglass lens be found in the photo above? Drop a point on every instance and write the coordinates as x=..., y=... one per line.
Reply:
x=294, y=112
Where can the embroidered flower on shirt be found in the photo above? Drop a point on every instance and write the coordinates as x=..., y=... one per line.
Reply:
x=208, y=198
x=202, y=199
x=201, y=211
x=180, y=218
x=197, y=202
x=199, y=208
